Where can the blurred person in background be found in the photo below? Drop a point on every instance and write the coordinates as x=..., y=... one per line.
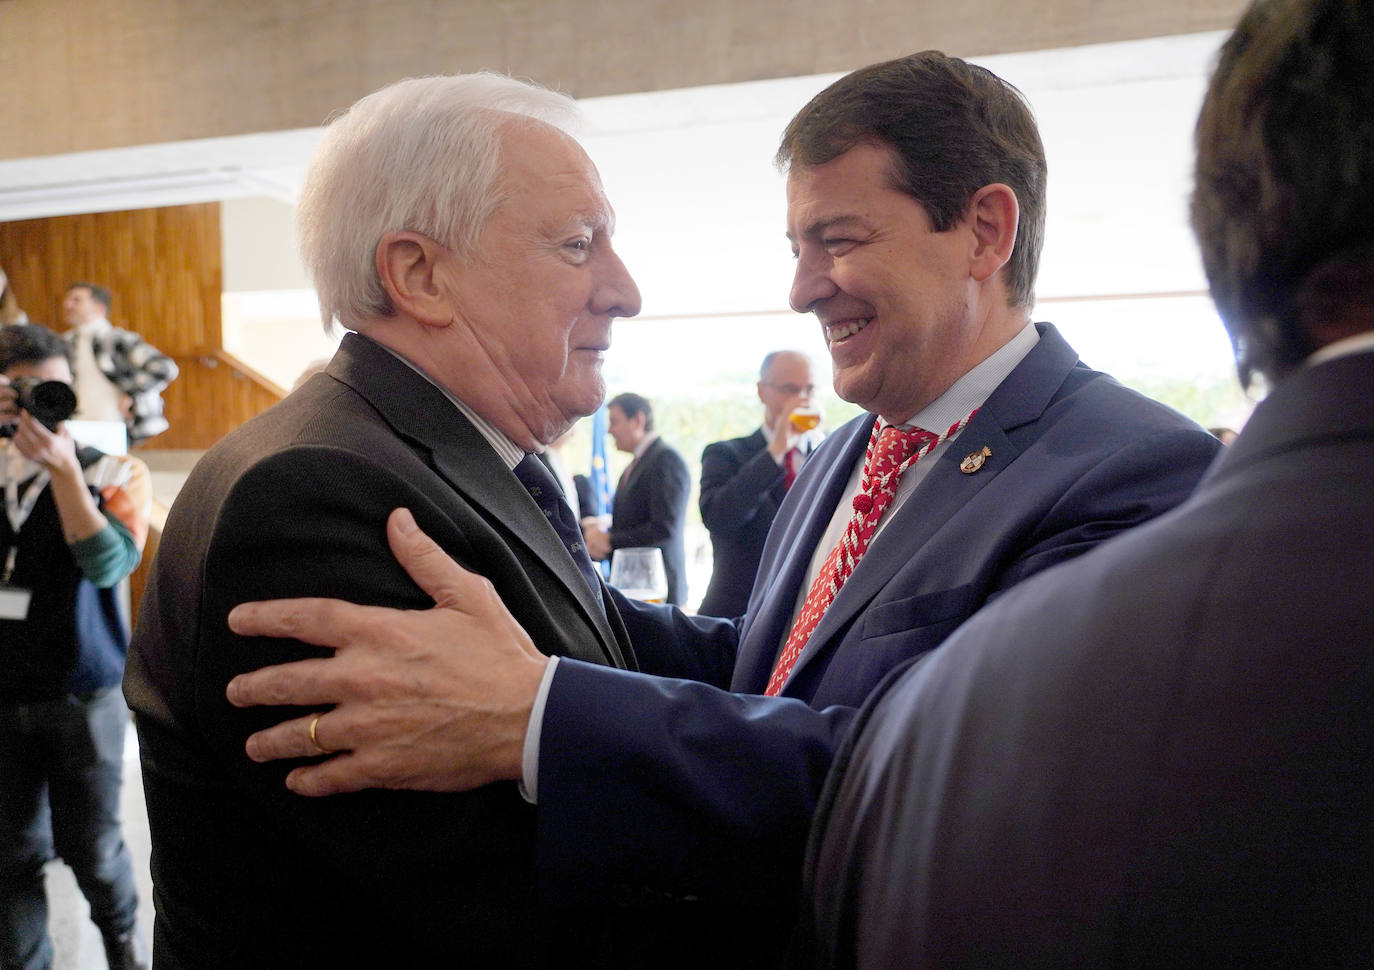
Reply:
x=744, y=480
x=75, y=524
x=10, y=312
x=650, y=504
x=119, y=375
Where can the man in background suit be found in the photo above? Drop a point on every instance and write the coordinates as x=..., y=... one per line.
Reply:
x=744, y=480
x=650, y=506
x=1162, y=754
x=915, y=208
x=478, y=336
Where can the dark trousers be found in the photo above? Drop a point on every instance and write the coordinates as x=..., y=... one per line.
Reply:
x=61, y=764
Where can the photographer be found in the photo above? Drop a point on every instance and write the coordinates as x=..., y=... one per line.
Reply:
x=74, y=526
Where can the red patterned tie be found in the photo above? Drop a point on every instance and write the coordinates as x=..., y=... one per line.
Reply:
x=890, y=452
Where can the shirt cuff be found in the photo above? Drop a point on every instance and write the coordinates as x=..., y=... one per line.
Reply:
x=529, y=758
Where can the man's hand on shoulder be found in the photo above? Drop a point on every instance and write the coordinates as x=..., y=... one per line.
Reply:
x=433, y=700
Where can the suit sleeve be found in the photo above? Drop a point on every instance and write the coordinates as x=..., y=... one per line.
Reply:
x=721, y=789
x=281, y=535
x=150, y=370
x=683, y=790
x=734, y=492
x=669, y=643
x=668, y=483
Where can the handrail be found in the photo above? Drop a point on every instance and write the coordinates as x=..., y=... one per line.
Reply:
x=218, y=355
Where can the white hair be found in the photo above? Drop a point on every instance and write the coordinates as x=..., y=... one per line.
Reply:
x=421, y=155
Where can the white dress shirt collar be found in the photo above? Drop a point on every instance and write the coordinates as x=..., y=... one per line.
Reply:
x=1358, y=344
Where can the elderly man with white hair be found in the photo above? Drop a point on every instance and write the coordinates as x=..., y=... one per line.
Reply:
x=463, y=236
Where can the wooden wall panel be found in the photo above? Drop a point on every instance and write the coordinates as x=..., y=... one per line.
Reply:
x=162, y=265
x=210, y=398
x=164, y=268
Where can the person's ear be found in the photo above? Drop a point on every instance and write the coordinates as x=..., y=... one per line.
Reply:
x=993, y=216
x=408, y=266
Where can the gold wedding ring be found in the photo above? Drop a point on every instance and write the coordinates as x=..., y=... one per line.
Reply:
x=314, y=738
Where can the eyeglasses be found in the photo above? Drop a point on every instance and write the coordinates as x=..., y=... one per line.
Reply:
x=791, y=389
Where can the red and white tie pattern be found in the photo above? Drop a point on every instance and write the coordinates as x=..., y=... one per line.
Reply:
x=890, y=452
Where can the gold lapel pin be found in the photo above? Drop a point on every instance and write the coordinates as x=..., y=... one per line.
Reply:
x=975, y=461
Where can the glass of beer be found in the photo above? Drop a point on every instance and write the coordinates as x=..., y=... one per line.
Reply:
x=638, y=573
x=804, y=418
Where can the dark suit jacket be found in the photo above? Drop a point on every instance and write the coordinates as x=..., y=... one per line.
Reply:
x=1161, y=754
x=294, y=503
x=651, y=510
x=722, y=786
x=586, y=496
x=741, y=489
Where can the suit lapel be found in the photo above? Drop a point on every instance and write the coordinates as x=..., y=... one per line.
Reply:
x=1020, y=399
x=816, y=499
x=467, y=462
x=640, y=464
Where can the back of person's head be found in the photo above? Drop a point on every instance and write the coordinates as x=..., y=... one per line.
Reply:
x=421, y=155
x=98, y=293
x=632, y=404
x=30, y=343
x=1284, y=195
x=953, y=128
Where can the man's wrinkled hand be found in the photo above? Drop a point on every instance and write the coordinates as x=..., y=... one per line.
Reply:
x=432, y=700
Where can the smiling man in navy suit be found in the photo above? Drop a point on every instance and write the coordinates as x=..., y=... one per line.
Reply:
x=989, y=452
x=1162, y=754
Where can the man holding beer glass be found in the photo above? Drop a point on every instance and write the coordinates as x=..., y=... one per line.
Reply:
x=744, y=480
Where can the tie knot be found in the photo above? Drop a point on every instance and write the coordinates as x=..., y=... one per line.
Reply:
x=894, y=446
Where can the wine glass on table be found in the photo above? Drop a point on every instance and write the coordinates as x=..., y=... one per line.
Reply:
x=638, y=573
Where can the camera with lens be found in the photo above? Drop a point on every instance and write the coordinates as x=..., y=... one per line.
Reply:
x=51, y=402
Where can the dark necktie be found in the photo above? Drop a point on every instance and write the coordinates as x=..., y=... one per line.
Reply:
x=549, y=497
x=790, y=461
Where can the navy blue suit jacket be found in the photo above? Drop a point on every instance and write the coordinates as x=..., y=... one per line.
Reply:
x=684, y=789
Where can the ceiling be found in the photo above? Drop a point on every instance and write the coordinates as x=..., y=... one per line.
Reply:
x=700, y=205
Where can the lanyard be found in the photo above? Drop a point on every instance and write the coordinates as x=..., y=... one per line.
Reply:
x=18, y=509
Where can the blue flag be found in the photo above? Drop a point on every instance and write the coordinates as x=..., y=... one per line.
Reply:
x=601, y=474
